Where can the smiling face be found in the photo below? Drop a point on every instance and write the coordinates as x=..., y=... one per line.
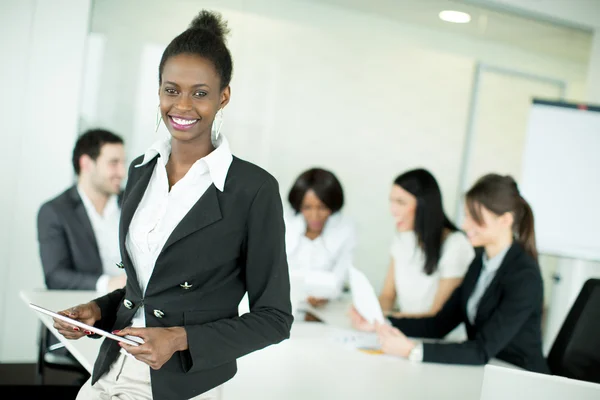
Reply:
x=106, y=172
x=190, y=96
x=486, y=228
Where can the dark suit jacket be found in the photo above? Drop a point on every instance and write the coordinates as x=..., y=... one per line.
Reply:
x=508, y=321
x=68, y=247
x=229, y=243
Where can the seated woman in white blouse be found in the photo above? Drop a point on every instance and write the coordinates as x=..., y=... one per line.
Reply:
x=319, y=240
x=429, y=255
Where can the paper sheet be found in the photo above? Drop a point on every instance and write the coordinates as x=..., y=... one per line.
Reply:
x=355, y=340
x=321, y=284
x=364, y=297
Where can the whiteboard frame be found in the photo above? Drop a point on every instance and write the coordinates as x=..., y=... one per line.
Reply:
x=470, y=137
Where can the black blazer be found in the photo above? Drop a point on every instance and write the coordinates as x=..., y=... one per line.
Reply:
x=229, y=243
x=508, y=321
x=68, y=247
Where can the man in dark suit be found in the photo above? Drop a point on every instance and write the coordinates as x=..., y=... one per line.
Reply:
x=78, y=230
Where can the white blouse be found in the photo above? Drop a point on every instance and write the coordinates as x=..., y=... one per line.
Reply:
x=321, y=265
x=161, y=209
x=415, y=290
x=486, y=276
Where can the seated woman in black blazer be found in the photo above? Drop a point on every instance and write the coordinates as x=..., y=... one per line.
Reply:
x=199, y=228
x=500, y=299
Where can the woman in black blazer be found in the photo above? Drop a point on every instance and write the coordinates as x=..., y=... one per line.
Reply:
x=199, y=228
x=500, y=299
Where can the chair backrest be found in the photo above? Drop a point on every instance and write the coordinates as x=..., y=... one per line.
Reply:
x=576, y=351
x=500, y=383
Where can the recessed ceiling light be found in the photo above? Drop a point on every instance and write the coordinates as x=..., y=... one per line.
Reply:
x=457, y=17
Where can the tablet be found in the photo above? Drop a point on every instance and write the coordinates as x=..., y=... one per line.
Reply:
x=130, y=340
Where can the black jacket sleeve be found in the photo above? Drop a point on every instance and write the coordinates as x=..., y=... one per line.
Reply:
x=438, y=326
x=108, y=307
x=267, y=282
x=522, y=293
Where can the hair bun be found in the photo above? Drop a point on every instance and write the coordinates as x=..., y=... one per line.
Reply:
x=211, y=21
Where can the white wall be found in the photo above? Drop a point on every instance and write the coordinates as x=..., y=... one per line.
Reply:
x=40, y=105
x=15, y=22
x=593, y=82
x=583, y=13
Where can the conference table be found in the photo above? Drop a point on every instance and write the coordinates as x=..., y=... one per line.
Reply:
x=315, y=363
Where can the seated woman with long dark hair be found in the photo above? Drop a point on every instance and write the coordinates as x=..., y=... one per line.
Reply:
x=429, y=255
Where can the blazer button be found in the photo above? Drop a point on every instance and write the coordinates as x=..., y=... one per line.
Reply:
x=159, y=314
x=120, y=265
x=127, y=303
x=185, y=285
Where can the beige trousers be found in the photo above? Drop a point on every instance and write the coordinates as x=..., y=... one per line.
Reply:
x=129, y=379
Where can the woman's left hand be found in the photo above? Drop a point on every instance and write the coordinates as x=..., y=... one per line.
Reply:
x=159, y=344
x=393, y=341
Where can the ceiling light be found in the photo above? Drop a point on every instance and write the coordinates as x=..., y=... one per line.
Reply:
x=457, y=17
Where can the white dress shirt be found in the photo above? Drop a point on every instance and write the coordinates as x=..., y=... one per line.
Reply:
x=415, y=290
x=106, y=232
x=320, y=265
x=161, y=209
x=488, y=272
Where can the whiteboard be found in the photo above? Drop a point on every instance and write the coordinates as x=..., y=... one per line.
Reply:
x=561, y=178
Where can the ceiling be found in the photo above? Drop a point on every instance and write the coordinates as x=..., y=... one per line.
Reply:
x=498, y=26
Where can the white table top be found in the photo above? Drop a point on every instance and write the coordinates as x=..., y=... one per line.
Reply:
x=308, y=366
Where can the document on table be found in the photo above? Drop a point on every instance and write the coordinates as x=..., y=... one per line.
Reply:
x=364, y=298
x=319, y=284
x=355, y=340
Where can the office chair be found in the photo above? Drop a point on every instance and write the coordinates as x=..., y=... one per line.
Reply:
x=575, y=353
x=55, y=356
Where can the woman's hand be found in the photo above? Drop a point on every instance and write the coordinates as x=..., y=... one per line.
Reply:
x=358, y=322
x=316, y=302
x=88, y=313
x=393, y=341
x=159, y=344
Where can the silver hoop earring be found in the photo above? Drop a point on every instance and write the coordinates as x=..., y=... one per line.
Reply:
x=216, y=126
x=158, y=118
